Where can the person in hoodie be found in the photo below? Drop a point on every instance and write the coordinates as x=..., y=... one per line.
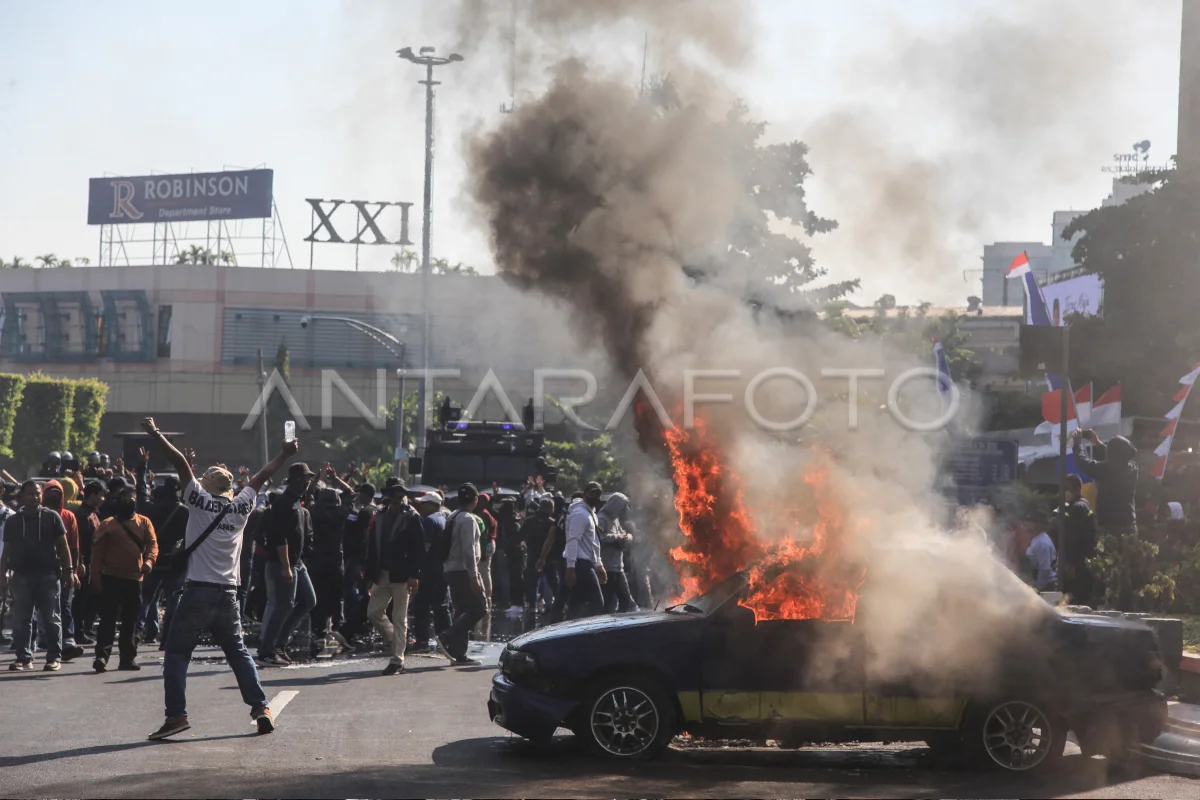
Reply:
x=585, y=573
x=55, y=496
x=84, y=609
x=615, y=541
x=163, y=585
x=123, y=553
x=1115, y=470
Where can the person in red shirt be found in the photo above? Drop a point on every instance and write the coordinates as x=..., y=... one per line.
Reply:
x=53, y=497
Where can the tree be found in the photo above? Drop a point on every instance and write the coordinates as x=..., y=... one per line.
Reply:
x=48, y=260
x=406, y=260
x=779, y=268
x=1146, y=250
x=586, y=460
x=16, y=263
x=195, y=254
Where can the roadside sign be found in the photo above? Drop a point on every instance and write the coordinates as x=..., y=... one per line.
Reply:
x=974, y=466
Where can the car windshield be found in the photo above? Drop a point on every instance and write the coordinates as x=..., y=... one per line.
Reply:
x=714, y=598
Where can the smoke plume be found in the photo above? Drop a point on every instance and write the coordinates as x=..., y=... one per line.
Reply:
x=591, y=196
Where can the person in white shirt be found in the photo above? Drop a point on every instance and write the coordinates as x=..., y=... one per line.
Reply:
x=585, y=569
x=1044, y=556
x=216, y=520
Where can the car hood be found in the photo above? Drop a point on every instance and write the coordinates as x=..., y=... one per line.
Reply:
x=602, y=624
x=1095, y=622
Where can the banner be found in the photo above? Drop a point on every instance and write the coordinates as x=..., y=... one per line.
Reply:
x=1080, y=295
x=181, y=198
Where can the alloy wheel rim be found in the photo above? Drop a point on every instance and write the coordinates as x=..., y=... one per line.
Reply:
x=624, y=721
x=1018, y=736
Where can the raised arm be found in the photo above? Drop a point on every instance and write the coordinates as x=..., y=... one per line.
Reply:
x=181, y=465
x=288, y=450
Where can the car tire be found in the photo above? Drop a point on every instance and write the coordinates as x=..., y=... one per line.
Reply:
x=626, y=717
x=1011, y=735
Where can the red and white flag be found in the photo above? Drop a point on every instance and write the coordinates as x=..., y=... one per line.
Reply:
x=1083, y=405
x=1107, y=408
x=1019, y=266
x=1163, y=451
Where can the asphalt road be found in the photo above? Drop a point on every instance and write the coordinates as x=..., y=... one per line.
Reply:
x=347, y=732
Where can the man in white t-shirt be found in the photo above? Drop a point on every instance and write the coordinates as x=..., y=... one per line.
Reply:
x=1044, y=556
x=216, y=520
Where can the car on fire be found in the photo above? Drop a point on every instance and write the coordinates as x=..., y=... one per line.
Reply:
x=627, y=684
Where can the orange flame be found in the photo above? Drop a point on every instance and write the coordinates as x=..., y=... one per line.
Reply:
x=799, y=574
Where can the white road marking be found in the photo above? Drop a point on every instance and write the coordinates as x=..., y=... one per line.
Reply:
x=279, y=702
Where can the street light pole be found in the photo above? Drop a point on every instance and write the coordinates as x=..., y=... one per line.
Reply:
x=390, y=343
x=427, y=59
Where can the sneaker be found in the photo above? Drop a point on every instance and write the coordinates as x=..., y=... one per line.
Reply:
x=263, y=718
x=72, y=652
x=52, y=666
x=270, y=661
x=515, y=611
x=99, y=665
x=172, y=726
x=132, y=666
x=20, y=666
x=342, y=642
x=393, y=669
x=466, y=661
x=283, y=656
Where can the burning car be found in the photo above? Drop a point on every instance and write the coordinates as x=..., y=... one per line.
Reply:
x=1000, y=679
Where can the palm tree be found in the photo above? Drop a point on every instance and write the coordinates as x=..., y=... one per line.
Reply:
x=47, y=260
x=19, y=263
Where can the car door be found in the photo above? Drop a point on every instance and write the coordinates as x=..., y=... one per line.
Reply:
x=811, y=673
x=729, y=655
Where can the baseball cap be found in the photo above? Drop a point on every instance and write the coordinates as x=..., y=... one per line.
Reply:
x=592, y=487
x=467, y=492
x=431, y=497
x=366, y=488
x=394, y=485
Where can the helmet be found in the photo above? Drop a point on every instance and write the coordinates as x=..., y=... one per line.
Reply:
x=54, y=456
x=104, y=461
x=67, y=456
x=93, y=458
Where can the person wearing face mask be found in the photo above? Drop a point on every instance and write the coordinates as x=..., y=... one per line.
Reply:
x=585, y=570
x=289, y=540
x=123, y=552
x=88, y=519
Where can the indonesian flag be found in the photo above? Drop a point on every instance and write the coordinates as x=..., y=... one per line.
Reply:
x=1107, y=408
x=1083, y=405
x=1019, y=266
x=1163, y=451
x=1035, y=303
x=1052, y=409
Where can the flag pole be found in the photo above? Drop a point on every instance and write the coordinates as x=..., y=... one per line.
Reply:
x=1065, y=389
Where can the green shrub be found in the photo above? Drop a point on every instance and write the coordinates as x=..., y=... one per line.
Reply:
x=11, y=389
x=43, y=420
x=87, y=409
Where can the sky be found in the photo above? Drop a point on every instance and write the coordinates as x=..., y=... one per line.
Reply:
x=935, y=127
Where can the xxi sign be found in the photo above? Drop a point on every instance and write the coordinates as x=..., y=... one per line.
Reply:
x=367, y=219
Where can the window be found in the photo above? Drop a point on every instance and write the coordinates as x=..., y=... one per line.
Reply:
x=164, y=331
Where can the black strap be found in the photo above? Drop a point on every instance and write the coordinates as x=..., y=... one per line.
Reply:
x=141, y=545
x=187, y=551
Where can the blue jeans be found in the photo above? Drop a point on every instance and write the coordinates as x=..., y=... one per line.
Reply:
x=586, y=597
x=200, y=609
x=41, y=591
x=287, y=604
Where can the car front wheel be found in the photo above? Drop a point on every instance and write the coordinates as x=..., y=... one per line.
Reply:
x=1019, y=735
x=628, y=718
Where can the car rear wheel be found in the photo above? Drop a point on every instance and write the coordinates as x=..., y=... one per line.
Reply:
x=627, y=718
x=1015, y=735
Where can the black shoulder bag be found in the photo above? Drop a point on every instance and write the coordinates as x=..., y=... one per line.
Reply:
x=179, y=559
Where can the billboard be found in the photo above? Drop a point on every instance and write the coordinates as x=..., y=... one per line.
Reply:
x=1080, y=295
x=180, y=198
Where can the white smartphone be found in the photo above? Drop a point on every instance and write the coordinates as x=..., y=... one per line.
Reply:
x=289, y=431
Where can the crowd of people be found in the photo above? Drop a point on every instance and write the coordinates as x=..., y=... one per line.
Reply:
x=93, y=557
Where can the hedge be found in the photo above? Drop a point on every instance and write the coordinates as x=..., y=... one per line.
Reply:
x=88, y=408
x=11, y=389
x=43, y=420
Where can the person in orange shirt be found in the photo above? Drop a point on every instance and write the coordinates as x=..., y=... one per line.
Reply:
x=123, y=552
